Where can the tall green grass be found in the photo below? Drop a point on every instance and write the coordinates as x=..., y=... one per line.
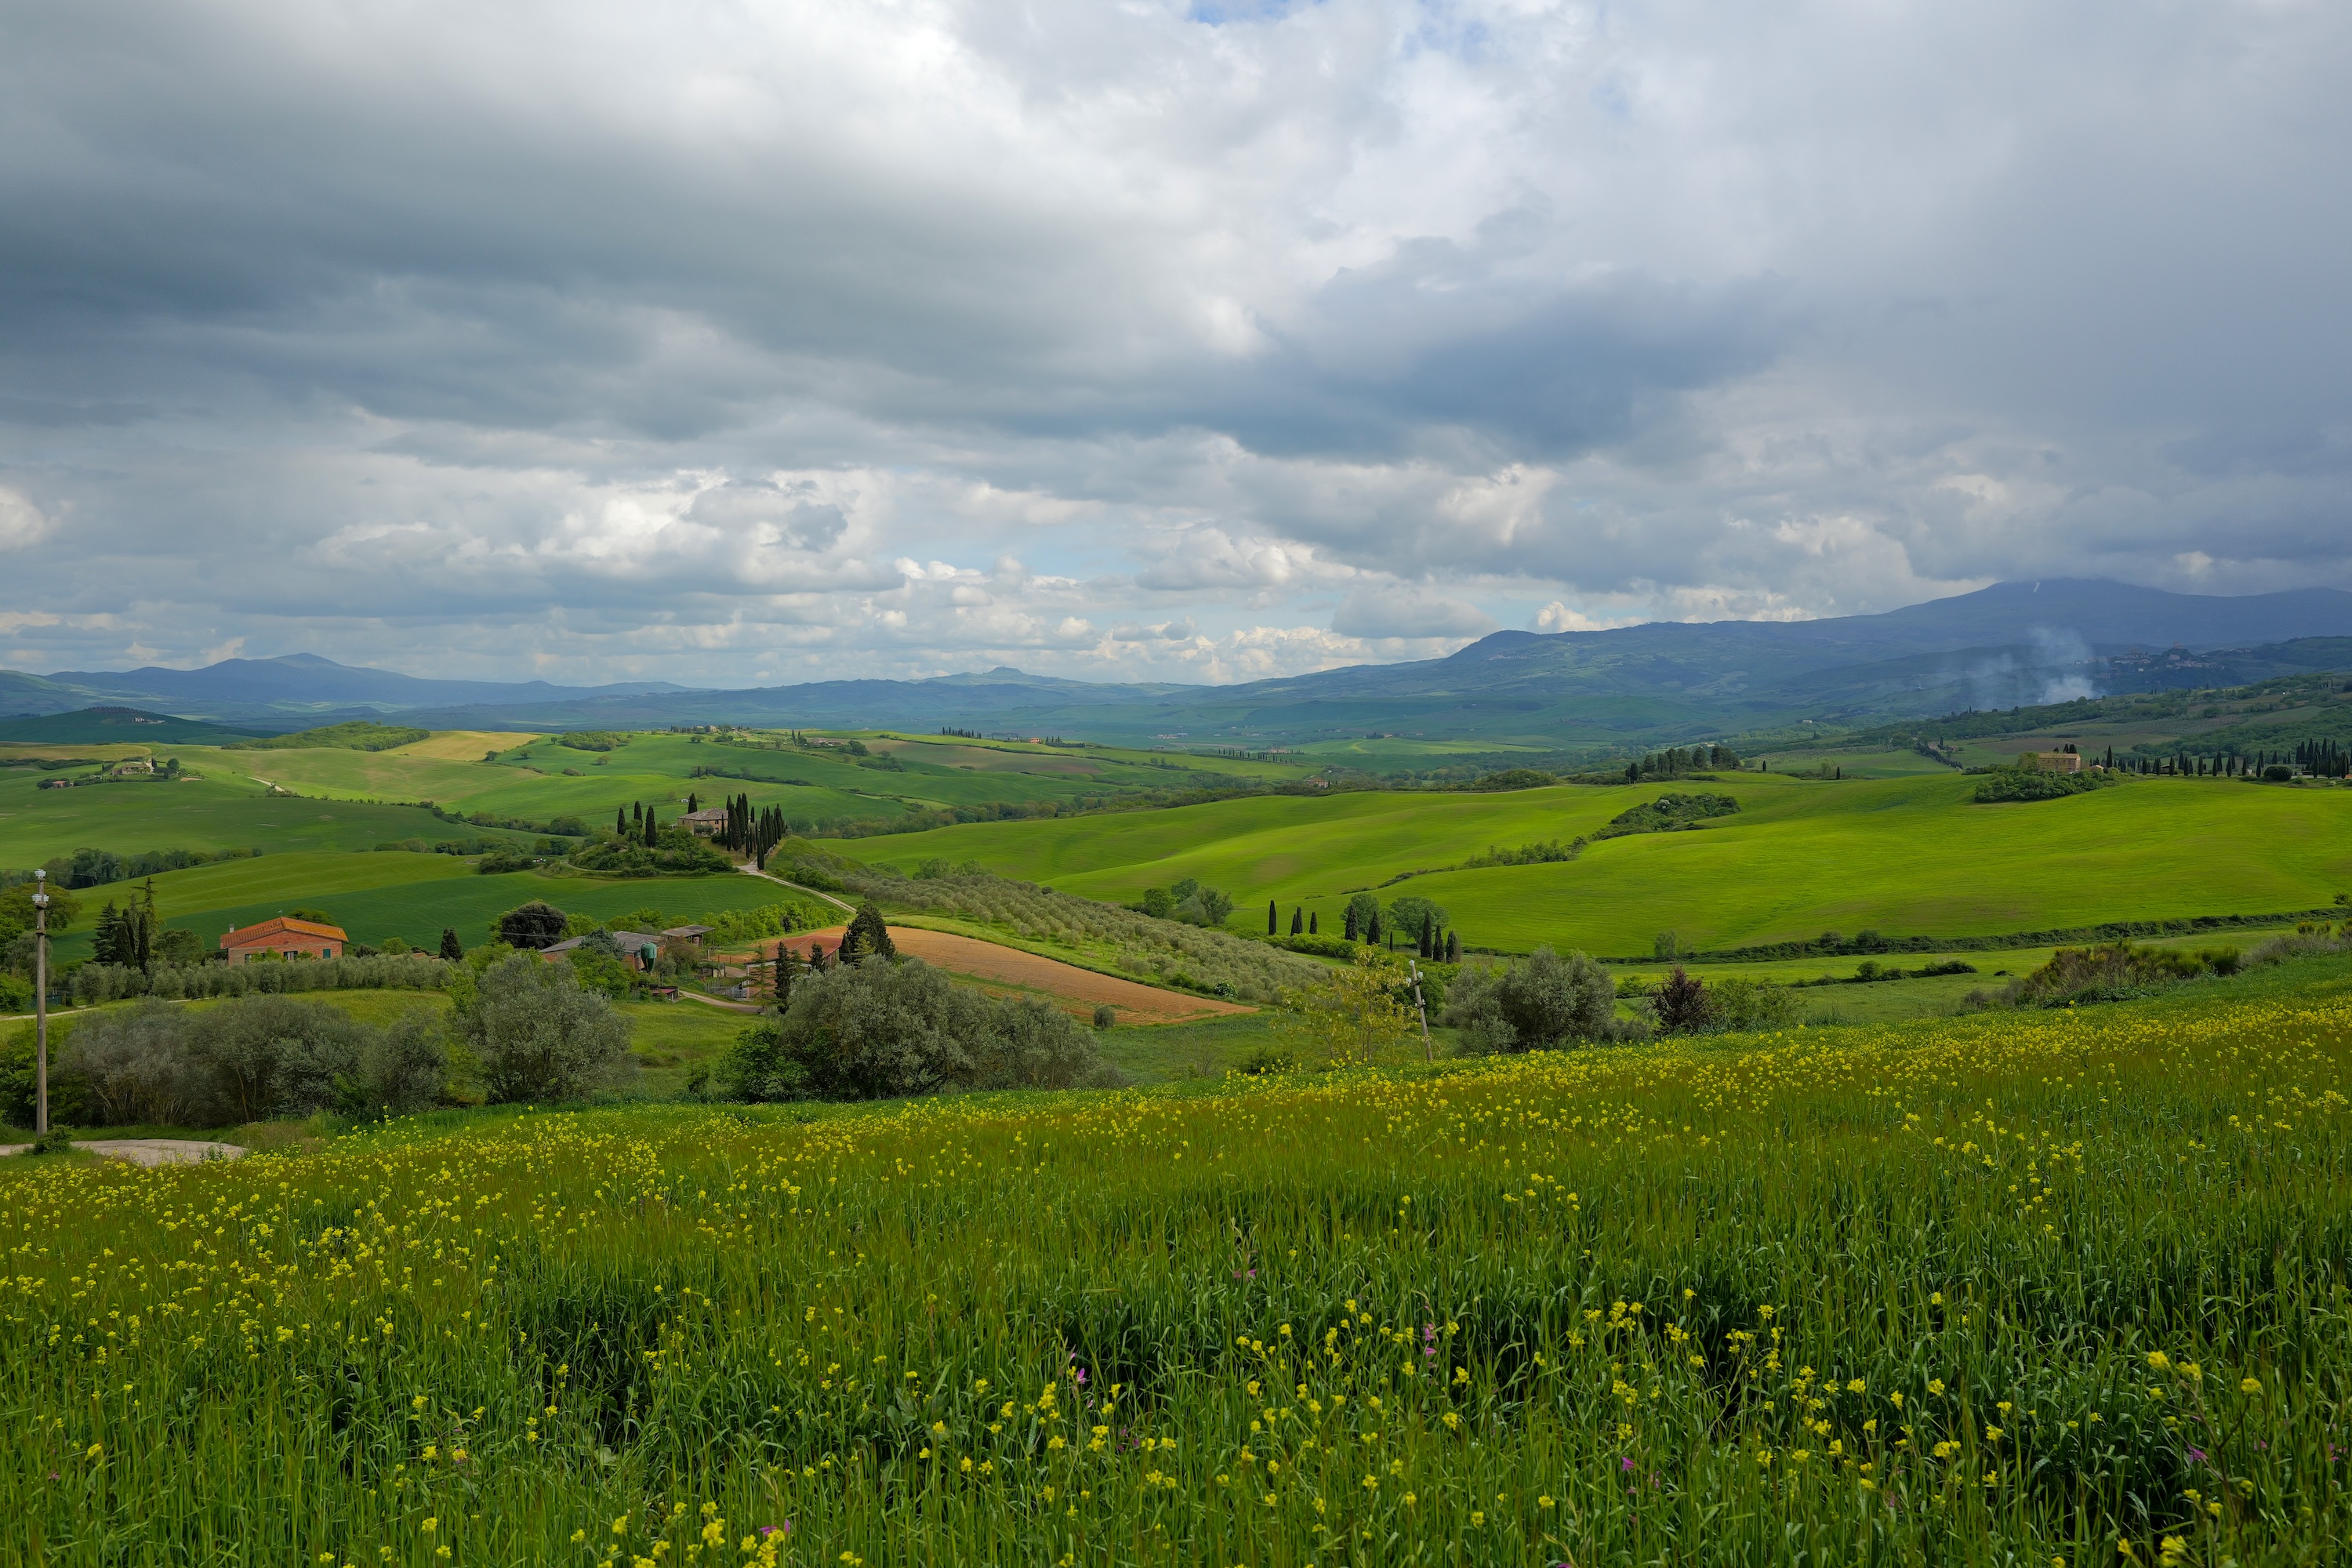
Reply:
x=1903, y=856
x=2017, y=1288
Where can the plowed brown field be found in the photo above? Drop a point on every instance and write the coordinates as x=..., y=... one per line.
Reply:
x=1009, y=971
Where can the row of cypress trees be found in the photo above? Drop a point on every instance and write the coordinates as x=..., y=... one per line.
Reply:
x=1432, y=942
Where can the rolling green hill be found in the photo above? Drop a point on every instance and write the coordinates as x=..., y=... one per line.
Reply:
x=379, y=896
x=111, y=726
x=1901, y=856
x=222, y=810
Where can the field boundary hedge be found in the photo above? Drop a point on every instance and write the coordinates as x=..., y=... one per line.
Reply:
x=1830, y=946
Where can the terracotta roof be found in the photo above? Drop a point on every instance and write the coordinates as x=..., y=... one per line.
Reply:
x=281, y=925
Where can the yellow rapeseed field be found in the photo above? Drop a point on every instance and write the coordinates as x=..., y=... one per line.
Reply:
x=2048, y=1288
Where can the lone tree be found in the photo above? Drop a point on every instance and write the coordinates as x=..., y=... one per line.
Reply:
x=533, y=925
x=1683, y=1005
x=452, y=949
x=539, y=1035
x=865, y=937
x=1273, y=918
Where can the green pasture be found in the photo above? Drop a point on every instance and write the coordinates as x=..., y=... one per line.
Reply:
x=1892, y=763
x=215, y=812
x=541, y=779
x=1901, y=855
x=377, y=896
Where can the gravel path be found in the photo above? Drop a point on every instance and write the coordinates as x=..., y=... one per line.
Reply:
x=149, y=1151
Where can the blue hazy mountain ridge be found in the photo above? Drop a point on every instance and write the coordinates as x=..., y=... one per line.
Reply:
x=2009, y=643
x=262, y=688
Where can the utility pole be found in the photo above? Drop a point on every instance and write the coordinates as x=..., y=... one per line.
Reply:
x=41, y=1001
x=1428, y=1051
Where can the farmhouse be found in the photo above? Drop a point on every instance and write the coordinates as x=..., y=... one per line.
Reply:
x=2054, y=761
x=283, y=937
x=709, y=820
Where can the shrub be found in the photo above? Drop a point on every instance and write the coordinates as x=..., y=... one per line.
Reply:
x=1669, y=814
x=536, y=1035
x=96, y=982
x=2033, y=784
x=878, y=1029
x=1743, y=1005
x=249, y=1059
x=1538, y=1003
x=1681, y=1006
x=2104, y=973
x=1354, y=1016
x=1105, y=1014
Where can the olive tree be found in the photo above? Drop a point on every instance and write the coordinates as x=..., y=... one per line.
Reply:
x=1538, y=1003
x=536, y=1034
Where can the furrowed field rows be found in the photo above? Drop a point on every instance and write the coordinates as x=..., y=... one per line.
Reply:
x=2014, y=1288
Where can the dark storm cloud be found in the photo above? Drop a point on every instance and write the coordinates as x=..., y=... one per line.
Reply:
x=644, y=341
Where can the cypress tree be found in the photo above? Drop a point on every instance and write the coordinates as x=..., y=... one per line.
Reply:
x=106, y=938
x=782, y=983
x=1453, y=947
x=693, y=803
x=1311, y=925
x=452, y=949
x=1373, y=936
x=866, y=936
x=1298, y=919
x=1273, y=918
x=620, y=822
x=652, y=828
x=1352, y=932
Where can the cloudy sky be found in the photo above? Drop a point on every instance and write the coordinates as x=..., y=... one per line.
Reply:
x=751, y=343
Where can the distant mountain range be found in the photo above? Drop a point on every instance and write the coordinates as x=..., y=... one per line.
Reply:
x=2015, y=643
x=295, y=689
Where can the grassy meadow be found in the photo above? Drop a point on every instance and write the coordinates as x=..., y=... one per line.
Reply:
x=1904, y=856
x=211, y=812
x=387, y=894
x=2051, y=1288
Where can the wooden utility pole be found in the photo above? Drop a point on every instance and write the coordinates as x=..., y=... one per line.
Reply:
x=41, y=1001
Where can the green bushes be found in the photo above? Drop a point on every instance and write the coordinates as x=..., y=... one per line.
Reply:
x=1669, y=814
x=96, y=982
x=675, y=852
x=2116, y=970
x=249, y=1059
x=2033, y=784
x=1538, y=1003
x=1187, y=903
x=767, y=920
x=358, y=735
x=879, y=1029
x=536, y=1035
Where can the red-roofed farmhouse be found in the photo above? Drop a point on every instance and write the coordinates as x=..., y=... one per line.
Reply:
x=285, y=937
